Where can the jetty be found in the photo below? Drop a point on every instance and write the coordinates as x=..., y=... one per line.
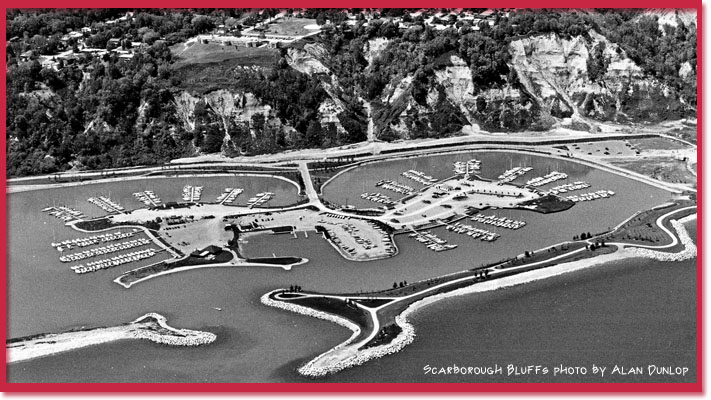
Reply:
x=498, y=221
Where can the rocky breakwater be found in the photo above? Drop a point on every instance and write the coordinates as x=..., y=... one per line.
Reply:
x=151, y=326
x=154, y=327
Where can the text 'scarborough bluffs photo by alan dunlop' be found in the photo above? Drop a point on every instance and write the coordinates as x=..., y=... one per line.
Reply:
x=291, y=198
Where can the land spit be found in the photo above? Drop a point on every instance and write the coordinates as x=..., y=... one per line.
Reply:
x=151, y=326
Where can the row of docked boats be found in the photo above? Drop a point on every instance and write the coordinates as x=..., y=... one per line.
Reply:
x=475, y=233
x=378, y=198
x=114, y=261
x=600, y=194
x=229, y=195
x=548, y=178
x=461, y=167
x=501, y=222
x=260, y=199
x=418, y=176
x=432, y=241
x=106, y=204
x=395, y=187
x=64, y=213
x=148, y=198
x=192, y=193
x=569, y=187
x=513, y=173
x=98, y=251
x=92, y=240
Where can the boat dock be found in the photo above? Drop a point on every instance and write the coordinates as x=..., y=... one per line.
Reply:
x=552, y=177
x=229, y=195
x=106, y=204
x=260, y=199
x=64, y=213
x=148, y=198
x=192, y=193
x=378, y=198
x=114, y=261
x=92, y=240
x=475, y=233
x=461, y=167
x=98, y=251
x=513, y=173
x=600, y=194
x=569, y=187
x=432, y=241
x=419, y=177
x=498, y=221
x=395, y=187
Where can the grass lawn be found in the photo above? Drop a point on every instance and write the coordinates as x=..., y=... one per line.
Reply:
x=290, y=27
x=657, y=144
x=665, y=169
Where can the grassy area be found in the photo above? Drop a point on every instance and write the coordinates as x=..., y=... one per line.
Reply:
x=201, y=53
x=665, y=169
x=163, y=266
x=657, y=143
x=643, y=229
x=290, y=27
x=336, y=307
x=104, y=223
x=547, y=204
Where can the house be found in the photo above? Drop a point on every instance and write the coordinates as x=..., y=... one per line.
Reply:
x=27, y=56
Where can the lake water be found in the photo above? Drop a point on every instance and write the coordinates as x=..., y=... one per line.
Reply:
x=260, y=344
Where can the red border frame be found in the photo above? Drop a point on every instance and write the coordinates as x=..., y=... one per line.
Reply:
x=370, y=387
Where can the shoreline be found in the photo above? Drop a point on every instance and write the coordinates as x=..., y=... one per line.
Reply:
x=329, y=362
x=151, y=326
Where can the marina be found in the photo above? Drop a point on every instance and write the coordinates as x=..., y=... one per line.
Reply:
x=543, y=180
x=419, y=177
x=569, y=187
x=600, y=194
x=192, y=193
x=106, y=204
x=395, y=187
x=259, y=199
x=92, y=240
x=498, y=221
x=98, y=251
x=229, y=195
x=114, y=261
x=148, y=198
x=475, y=233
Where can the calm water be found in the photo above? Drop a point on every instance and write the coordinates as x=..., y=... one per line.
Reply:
x=264, y=344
